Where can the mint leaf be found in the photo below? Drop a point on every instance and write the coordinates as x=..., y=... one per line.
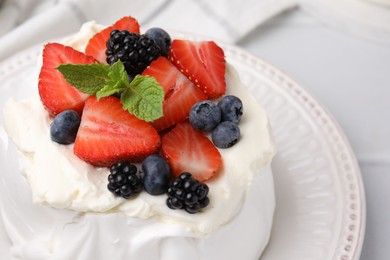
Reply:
x=144, y=98
x=88, y=78
x=117, y=81
x=118, y=73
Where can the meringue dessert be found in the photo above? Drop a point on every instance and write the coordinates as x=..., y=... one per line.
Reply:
x=164, y=184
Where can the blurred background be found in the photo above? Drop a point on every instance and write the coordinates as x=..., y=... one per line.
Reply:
x=339, y=50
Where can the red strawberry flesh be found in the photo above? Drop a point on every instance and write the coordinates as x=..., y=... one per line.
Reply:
x=96, y=46
x=188, y=150
x=203, y=63
x=108, y=134
x=180, y=93
x=56, y=93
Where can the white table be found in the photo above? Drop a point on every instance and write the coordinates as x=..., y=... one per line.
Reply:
x=350, y=76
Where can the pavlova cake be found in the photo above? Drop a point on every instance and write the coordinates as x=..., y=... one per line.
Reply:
x=137, y=146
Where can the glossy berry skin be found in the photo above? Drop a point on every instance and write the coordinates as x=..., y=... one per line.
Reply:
x=231, y=108
x=135, y=51
x=156, y=174
x=188, y=194
x=205, y=115
x=161, y=38
x=123, y=180
x=64, y=128
x=225, y=135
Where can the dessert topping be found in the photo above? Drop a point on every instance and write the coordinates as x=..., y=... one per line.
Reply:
x=143, y=96
x=156, y=174
x=180, y=93
x=123, y=180
x=231, y=107
x=203, y=63
x=135, y=51
x=226, y=134
x=108, y=134
x=188, y=194
x=96, y=46
x=188, y=150
x=63, y=129
x=161, y=38
x=56, y=93
x=205, y=115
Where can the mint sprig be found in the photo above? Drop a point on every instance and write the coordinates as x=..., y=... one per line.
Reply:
x=143, y=96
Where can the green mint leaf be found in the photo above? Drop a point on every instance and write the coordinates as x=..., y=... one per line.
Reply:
x=117, y=81
x=88, y=78
x=144, y=98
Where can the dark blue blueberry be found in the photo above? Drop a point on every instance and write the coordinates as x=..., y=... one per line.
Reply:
x=156, y=174
x=231, y=108
x=161, y=38
x=225, y=135
x=64, y=128
x=205, y=115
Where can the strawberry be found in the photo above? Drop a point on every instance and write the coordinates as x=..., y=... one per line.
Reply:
x=96, y=46
x=108, y=134
x=188, y=150
x=180, y=93
x=55, y=92
x=203, y=63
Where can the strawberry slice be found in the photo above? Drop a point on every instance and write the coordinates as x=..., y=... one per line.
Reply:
x=96, y=46
x=180, y=93
x=56, y=93
x=188, y=150
x=203, y=63
x=108, y=134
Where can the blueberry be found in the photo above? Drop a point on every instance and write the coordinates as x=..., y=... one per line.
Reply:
x=225, y=135
x=161, y=38
x=64, y=128
x=231, y=108
x=156, y=174
x=205, y=115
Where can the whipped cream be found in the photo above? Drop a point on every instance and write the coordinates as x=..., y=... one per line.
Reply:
x=243, y=191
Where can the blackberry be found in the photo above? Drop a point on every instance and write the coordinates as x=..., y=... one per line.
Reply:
x=123, y=180
x=135, y=51
x=188, y=194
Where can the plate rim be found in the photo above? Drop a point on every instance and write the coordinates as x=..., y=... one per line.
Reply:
x=293, y=86
x=30, y=54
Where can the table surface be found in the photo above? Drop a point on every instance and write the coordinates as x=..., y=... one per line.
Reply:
x=350, y=76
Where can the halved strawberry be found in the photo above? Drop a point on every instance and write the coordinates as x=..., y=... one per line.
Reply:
x=188, y=150
x=96, y=46
x=56, y=93
x=180, y=93
x=203, y=63
x=108, y=134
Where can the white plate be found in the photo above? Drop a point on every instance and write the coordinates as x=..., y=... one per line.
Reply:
x=320, y=212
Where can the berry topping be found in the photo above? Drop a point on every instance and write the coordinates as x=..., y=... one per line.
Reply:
x=188, y=194
x=56, y=93
x=162, y=39
x=226, y=134
x=203, y=63
x=123, y=180
x=64, y=127
x=205, y=115
x=135, y=51
x=156, y=174
x=96, y=46
x=231, y=107
x=188, y=150
x=108, y=134
x=180, y=93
